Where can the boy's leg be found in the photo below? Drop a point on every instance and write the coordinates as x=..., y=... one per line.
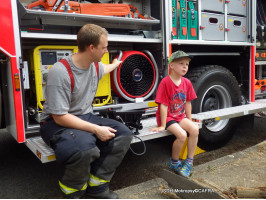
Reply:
x=181, y=137
x=193, y=131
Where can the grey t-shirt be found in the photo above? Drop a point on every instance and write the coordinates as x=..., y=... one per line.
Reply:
x=60, y=100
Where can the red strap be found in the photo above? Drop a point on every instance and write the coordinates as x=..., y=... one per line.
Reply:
x=97, y=68
x=66, y=64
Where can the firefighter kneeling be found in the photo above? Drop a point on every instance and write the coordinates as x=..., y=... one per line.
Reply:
x=89, y=146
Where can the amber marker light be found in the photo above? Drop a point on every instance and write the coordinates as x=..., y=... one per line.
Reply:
x=17, y=82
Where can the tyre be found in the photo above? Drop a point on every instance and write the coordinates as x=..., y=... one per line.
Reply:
x=216, y=88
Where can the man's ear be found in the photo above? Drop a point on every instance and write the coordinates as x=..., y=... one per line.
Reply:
x=90, y=48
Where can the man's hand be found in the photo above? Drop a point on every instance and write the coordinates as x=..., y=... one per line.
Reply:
x=157, y=129
x=116, y=62
x=110, y=67
x=105, y=133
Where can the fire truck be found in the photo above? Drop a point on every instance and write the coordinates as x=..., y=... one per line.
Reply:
x=227, y=40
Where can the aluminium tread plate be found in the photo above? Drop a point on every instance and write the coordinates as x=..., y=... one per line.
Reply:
x=46, y=154
x=40, y=149
x=145, y=133
x=231, y=112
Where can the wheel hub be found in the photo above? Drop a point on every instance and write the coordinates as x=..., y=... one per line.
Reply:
x=216, y=97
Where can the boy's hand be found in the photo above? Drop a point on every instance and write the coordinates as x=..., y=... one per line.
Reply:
x=157, y=129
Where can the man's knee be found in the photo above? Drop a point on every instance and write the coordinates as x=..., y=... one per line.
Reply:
x=123, y=130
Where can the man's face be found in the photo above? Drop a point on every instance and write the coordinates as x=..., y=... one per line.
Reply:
x=101, y=49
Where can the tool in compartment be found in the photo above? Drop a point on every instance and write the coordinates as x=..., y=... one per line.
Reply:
x=105, y=9
x=174, y=19
x=182, y=20
x=192, y=22
x=260, y=85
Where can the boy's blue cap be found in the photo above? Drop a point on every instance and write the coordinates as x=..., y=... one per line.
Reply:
x=178, y=54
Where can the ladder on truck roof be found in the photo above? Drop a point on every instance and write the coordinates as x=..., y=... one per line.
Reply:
x=46, y=154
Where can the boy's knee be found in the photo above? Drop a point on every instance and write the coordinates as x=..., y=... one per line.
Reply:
x=183, y=138
x=195, y=131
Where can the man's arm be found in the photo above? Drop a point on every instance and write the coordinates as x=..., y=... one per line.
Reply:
x=188, y=109
x=110, y=67
x=104, y=133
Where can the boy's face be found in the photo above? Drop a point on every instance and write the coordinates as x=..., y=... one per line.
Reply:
x=180, y=66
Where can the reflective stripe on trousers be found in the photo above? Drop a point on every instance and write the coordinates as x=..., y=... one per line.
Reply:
x=95, y=181
x=68, y=190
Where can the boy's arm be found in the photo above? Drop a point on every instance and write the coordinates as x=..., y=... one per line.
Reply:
x=188, y=110
x=163, y=114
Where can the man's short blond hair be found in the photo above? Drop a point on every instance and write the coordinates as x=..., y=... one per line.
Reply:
x=89, y=34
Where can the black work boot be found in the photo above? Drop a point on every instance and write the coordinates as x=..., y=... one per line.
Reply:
x=107, y=194
x=75, y=195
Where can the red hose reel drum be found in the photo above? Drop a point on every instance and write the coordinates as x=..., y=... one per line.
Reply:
x=136, y=76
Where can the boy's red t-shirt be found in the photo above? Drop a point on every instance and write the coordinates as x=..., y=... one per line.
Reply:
x=175, y=97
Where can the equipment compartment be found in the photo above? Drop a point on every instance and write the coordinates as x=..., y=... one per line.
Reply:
x=45, y=21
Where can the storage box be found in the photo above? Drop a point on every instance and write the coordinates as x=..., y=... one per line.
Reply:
x=237, y=7
x=237, y=29
x=212, y=26
x=213, y=5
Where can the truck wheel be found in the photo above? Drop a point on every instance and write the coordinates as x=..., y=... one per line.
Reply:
x=216, y=88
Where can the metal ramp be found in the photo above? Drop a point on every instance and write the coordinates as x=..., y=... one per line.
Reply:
x=237, y=111
x=46, y=154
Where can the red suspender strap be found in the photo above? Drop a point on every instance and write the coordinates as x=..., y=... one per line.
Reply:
x=66, y=64
x=97, y=68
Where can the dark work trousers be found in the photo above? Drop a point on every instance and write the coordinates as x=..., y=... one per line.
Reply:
x=84, y=155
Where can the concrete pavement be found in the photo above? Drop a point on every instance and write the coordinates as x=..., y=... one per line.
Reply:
x=211, y=180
